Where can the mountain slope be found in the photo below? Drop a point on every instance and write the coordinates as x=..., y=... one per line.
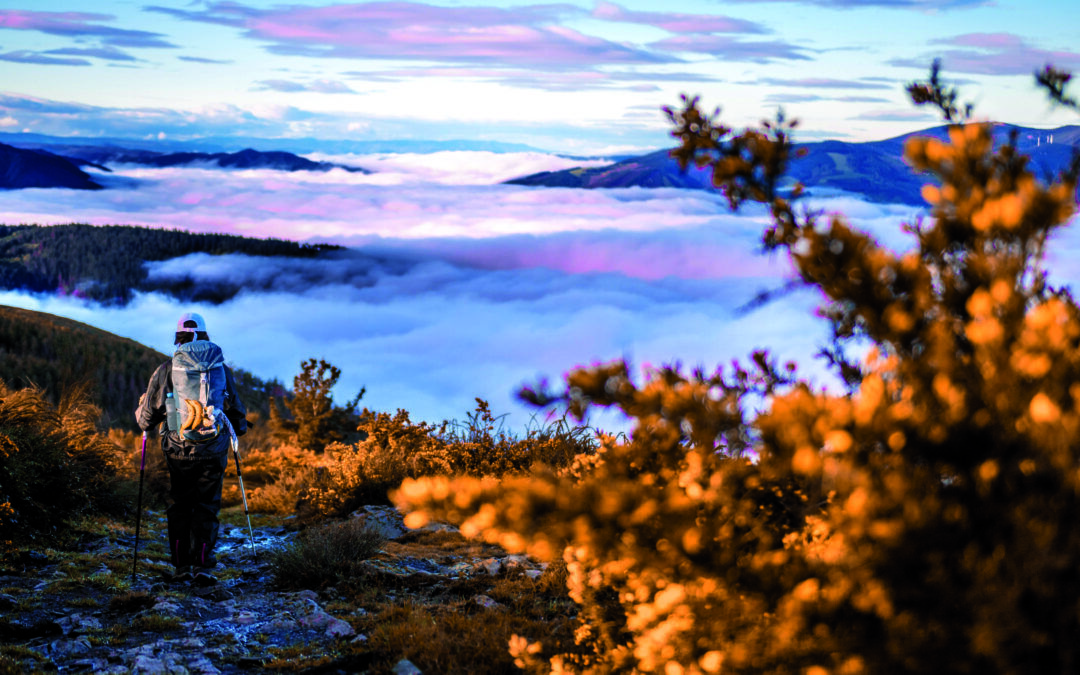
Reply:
x=21, y=168
x=56, y=353
x=873, y=170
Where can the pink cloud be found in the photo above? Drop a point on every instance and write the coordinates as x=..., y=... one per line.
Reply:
x=992, y=54
x=988, y=40
x=822, y=83
x=522, y=36
x=562, y=80
x=732, y=49
x=318, y=86
x=78, y=24
x=676, y=23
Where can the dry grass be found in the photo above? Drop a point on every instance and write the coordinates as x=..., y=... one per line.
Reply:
x=325, y=555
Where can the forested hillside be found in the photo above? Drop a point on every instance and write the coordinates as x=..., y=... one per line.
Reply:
x=56, y=353
x=105, y=263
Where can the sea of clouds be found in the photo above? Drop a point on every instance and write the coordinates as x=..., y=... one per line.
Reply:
x=455, y=286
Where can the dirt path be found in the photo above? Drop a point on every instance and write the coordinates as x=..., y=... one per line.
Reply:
x=81, y=612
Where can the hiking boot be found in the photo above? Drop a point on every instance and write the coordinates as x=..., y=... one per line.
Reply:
x=204, y=578
x=181, y=575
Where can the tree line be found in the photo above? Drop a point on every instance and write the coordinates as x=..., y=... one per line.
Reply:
x=106, y=263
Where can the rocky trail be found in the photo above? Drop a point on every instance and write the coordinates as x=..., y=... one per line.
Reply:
x=81, y=612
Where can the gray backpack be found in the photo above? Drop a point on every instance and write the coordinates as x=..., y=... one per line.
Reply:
x=195, y=405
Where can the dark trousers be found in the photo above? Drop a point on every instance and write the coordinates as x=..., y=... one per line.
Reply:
x=195, y=490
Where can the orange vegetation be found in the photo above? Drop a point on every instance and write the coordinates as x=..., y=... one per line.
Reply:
x=926, y=520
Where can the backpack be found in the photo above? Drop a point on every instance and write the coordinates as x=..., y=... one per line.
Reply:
x=194, y=407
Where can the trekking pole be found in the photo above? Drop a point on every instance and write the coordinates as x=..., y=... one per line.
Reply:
x=240, y=477
x=138, y=512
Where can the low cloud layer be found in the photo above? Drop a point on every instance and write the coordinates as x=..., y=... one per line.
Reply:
x=455, y=287
x=434, y=338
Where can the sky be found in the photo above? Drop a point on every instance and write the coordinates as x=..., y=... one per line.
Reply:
x=569, y=77
x=454, y=285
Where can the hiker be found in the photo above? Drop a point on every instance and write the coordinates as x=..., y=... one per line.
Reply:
x=194, y=395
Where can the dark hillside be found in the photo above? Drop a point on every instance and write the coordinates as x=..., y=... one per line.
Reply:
x=55, y=353
x=21, y=168
x=105, y=263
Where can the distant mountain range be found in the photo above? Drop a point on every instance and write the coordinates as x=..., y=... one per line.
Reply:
x=872, y=170
x=301, y=146
x=244, y=159
x=62, y=165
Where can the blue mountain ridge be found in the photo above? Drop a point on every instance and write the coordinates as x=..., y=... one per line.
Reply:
x=873, y=170
x=101, y=156
x=229, y=144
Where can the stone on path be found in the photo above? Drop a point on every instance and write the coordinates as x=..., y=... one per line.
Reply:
x=406, y=667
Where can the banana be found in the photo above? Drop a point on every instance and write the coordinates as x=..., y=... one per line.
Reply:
x=194, y=415
x=197, y=407
x=188, y=416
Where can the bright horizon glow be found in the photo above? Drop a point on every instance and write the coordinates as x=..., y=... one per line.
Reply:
x=577, y=77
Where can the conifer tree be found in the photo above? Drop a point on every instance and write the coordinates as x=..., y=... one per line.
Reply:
x=316, y=421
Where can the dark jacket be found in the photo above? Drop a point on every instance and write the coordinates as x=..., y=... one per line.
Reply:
x=151, y=412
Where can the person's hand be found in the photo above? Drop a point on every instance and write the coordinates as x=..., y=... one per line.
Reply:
x=142, y=397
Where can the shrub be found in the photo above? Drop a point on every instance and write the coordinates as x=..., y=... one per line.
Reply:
x=396, y=448
x=54, y=464
x=928, y=520
x=325, y=555
x=281, y=494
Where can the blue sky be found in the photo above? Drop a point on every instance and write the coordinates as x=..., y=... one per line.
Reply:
x=575, y=77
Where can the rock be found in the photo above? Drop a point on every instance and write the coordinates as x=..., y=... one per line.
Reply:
x=485, y=602
x=491, y=566
x=67, y=648
x=438, y=527
x=166, y=607
x=386, y=520
x=320, y=620
x=77, y=623
x=339, y=629
x=93, y=665
x=215, y=593
x=171, y=657
x=514, y=562
x=406, y=667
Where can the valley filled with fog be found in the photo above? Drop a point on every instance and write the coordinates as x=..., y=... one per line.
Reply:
x=478, y=288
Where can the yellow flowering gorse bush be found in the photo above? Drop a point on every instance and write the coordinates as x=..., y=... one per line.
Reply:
x=927, y=520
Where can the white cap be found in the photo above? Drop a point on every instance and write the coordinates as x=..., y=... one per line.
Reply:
x=191, y=317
